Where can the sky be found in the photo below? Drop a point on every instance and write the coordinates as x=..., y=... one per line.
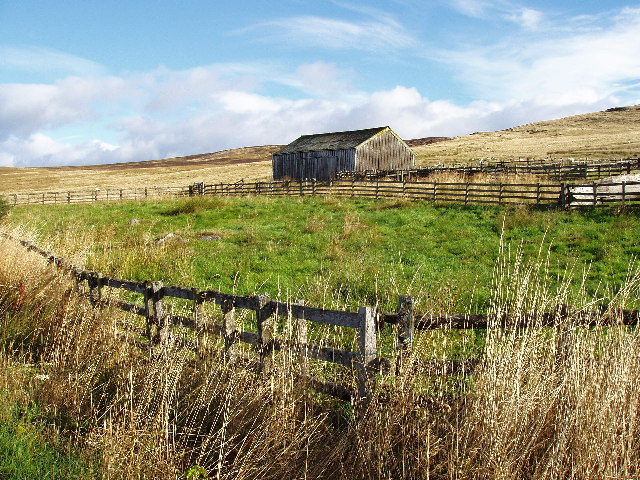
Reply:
x=105, y=81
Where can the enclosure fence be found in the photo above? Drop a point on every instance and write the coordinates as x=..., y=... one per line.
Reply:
x=162, y=329
x=562, y=195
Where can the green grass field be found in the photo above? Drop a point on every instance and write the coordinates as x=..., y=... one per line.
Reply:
x=544, y=403
x=338, y=253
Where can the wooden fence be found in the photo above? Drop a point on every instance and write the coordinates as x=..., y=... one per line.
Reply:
x=564, y=171
x=161, y=327
x=544, y=194
x=95, y=195
x=559, y=195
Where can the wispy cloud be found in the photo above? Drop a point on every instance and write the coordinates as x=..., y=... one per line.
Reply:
x=471, y=8
x=383, y=34
x=525, y=17
x=39, y=59
x=557, y=66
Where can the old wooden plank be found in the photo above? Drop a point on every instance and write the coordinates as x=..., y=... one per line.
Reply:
x=318, y=315
x=137, y=287
x=178, y=292
x=327, y=354
x=249, y=337
x=365, y=366
x=328, y=388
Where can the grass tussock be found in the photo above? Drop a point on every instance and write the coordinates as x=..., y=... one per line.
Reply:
x=546, y=403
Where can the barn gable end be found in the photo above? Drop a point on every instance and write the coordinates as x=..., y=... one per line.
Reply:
x=384, y=151
x=323, y=155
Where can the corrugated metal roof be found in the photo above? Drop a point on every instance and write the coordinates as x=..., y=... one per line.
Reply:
x=331, y=141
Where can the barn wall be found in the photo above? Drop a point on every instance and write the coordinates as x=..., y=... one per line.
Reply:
x=384, y=152
x=321, y=165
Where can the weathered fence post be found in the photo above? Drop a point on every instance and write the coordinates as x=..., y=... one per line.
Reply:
x=405, y=329
x=148, y=314
x=77, y=272
x=367, y=356
x=563, y=195
x=198, y=320
x=153, y=295
x=265, y=335
x=595, y=194
x=95, y=288
x=230, y=332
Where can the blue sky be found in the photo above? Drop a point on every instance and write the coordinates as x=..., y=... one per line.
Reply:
x=88, y=81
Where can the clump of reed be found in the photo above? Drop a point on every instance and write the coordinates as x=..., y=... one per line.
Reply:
x=545, y=402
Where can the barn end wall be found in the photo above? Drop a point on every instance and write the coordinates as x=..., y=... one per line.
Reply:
x=384, y=152
x=321, y=165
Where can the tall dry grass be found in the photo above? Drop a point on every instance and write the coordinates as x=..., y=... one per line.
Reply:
x=545, y=403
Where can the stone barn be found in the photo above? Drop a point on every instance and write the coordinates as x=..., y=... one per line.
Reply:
x=323, y=155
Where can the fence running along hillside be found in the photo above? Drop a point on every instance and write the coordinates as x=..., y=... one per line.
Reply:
x=564, y=171
x=543, y=194
x=559, y=195
x=162, y=328
x=95, y=195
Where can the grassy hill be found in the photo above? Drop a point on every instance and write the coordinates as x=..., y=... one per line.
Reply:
x=614, y=133
x=249, y=163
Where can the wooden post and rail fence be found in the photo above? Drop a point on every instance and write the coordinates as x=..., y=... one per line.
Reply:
x=408, y=184
x=561, y=195
x=163, y=329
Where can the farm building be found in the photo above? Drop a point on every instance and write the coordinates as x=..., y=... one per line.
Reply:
x=323, y=155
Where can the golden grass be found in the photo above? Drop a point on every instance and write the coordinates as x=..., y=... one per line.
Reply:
x=545, y=404
x=614, y=134
x=229, y=166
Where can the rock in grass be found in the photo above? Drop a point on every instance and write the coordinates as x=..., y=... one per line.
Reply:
x=170, y=237
x=210, y=238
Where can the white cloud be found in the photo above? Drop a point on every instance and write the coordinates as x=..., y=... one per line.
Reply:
x=526, y=17
x=48, y=60
x=323, y=79
x=557, y=67
x=382, y=34
x=163, y=112
x=472, y=8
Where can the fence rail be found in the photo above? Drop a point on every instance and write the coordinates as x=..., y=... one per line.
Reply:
x=560, y=195
x=94, y=195
x=158, y=329
x=565, y=170
x=545, y=194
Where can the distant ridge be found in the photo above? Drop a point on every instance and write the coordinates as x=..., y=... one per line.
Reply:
x=609, y=134
x=416, y=142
